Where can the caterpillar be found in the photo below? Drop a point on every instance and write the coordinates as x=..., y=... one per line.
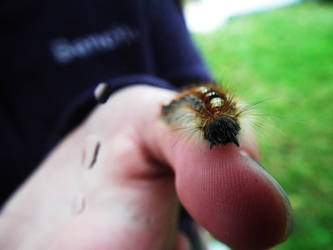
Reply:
x=207, y=109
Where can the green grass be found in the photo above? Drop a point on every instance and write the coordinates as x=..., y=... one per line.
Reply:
x=286, y=56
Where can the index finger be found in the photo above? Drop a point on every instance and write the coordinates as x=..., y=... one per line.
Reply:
x=227, y=192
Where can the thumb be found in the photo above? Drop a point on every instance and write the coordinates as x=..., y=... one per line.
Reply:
x=226, y=191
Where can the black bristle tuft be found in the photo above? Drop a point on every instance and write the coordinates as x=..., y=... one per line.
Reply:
x=222, y=131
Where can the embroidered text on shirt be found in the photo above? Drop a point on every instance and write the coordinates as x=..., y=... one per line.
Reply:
x=64, y=51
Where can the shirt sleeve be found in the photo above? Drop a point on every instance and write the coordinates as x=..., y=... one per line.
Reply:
x=177, y=59
x=172, y=57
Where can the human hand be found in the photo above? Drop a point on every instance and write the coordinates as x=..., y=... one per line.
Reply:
x=115, y=183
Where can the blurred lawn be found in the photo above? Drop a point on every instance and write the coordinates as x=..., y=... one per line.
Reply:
x=286, y=56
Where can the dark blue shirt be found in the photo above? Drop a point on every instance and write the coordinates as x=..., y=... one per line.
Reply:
x=54, y=53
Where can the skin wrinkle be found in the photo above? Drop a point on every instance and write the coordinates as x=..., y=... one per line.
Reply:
x=95, y=154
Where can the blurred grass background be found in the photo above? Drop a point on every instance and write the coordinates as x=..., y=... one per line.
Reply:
x=286, y=58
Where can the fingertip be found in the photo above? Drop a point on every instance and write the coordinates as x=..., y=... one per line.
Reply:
x=229, y=194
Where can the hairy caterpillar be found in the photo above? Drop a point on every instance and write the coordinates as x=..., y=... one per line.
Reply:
x=208, y=109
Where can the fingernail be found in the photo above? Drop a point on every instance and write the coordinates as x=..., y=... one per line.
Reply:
x=286, y=202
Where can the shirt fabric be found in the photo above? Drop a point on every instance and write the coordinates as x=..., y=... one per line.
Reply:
x=55, y=53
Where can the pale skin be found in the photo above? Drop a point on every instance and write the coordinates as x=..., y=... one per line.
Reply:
x=126, y=194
